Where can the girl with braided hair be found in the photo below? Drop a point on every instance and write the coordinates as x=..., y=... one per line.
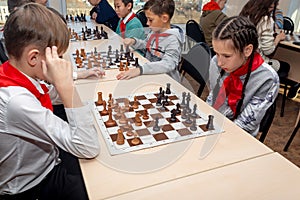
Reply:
x=242, y=85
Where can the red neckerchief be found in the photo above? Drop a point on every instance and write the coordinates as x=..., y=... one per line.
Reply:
x=156, y=37
x=233, y=86
x=212, y=5
x=10, y=76
x=123, y=25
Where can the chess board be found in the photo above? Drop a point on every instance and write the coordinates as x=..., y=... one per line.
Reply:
x=106, y=60
x=169, y=131
x=87, y=33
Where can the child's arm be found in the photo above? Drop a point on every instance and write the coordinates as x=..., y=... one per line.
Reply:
x=59, y=72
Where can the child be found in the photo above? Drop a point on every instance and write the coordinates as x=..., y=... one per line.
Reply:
x=163, y=44
x=242, y=85
x=103, y=13
x=129, y=25
x=30, y=134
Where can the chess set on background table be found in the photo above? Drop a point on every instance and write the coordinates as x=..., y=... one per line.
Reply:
x=112, y=59
x=140, y=121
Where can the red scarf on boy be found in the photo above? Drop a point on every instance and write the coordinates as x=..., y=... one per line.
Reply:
x=10, y=76
x=123, y=25
x=233, y=86
x=212, y=5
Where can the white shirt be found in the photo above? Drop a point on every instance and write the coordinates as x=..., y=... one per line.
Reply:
x=30, y=134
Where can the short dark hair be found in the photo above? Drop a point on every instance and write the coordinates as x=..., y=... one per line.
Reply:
x=159, y=7
x=34, y=24
x=126, y=2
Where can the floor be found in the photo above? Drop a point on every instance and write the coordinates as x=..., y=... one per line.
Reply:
x=281, y=127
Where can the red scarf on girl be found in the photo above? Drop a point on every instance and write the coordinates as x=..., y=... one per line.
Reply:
x=233, y=86
x=212, y=5
x=10, y=76
x=123, y=25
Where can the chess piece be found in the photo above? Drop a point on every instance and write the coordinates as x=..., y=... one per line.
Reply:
x=187, y=106
x=178, y=111
x=173, y=115
x=158, y=102
x=166, y=102
x=156, y=127
x=193, y=126
x=137, y=120
x=183, y=113
x=145, y=114
x=121, y=67
x=194, y=114
x=210, y=123
x=100, y=100
x=136, y=62
x=168, y=90
x=95, y=50
x=120, y=137
x=183, y=100
x=135, y=103
x=126, y=104
x=89, y=65
x=121, y=49
x=135, y=140
x=104, y=111
x=123, y=119
x=126, y=67
x=188, y=119
x=110, y=122
x=129, y=132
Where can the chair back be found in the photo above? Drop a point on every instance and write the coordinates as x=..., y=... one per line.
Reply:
x=140, y=14
x=196, y=63
x=266, y=122
x=288, y=25
x=194, y=32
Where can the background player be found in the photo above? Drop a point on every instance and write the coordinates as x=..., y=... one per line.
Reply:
x=163, y=44
x=246, y=86
x=103, y=13
x=129, y=25
x=30, y=133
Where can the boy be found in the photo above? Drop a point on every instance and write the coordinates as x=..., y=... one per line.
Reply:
x=30, y=134
x=103, y=13
x=163, y=44
x=129, y=25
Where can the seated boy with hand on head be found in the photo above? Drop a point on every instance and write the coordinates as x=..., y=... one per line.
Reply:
x=163, y=44
x=129, y=25
x=30, y=134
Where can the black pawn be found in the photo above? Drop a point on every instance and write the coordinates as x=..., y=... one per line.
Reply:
x=136, y=63
x=166, y=102
x=194, y=114
x=210, y=123
x=183, y=100
x=173, y=115
x=168, y=90
x=158, y=102
x=178, y=111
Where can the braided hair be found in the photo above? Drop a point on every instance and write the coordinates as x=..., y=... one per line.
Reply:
x=242, y=32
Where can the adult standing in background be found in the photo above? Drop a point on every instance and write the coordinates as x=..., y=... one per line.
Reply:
x=103, y=13
x=211, y=16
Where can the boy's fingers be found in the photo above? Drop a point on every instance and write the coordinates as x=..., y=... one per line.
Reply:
x=54, y=52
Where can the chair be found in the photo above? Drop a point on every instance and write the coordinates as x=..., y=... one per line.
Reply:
x=286, y=147
x=288, y=25
x=140, y=14
x=266, y=122
x=196, y=63
x=194, y=32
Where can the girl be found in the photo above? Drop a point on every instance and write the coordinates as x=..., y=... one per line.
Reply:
x=242, y=85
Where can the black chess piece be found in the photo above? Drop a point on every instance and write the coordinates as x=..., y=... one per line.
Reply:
x=117, y=56
x=121, y=49
x=193, y=126
x=136, y=63
x=84, y=36
x=210, y=123
x=95, y=51
x=173, y=115
x=166, y=102
x=168, y=90
x=194, y=114
x=178, y=111
x=188, y=99
x=158, y=102
x=156, y=127
x=110, y=61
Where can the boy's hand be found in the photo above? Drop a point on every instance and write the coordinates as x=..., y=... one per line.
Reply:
x=94, y=15
x=96, y=72
x=128, y=41
x=129, y=74
x=56, y=70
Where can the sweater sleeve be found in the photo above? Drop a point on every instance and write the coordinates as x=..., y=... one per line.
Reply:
x=265, y=36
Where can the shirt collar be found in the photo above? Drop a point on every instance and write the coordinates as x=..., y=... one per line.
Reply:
x=125, y=19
